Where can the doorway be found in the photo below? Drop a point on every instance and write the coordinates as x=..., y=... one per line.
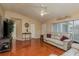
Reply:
x=33, y=30
x=18, y=29
x=17, y=34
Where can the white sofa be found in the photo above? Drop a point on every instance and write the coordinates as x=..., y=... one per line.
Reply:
x=74, y=51
x=55, y=40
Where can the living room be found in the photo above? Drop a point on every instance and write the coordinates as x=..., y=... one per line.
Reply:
x=40, y=29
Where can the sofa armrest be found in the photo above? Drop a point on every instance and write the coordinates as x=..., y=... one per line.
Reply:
x=75, y=45
x=67, y=40
x=67, y=44
x=44, y=35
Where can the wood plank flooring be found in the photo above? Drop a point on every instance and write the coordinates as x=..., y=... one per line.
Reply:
x=33, y=48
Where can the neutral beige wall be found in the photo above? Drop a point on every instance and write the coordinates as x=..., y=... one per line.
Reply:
x=11, y=14
x=74, y=16
x=1, y=11
x=1, y=19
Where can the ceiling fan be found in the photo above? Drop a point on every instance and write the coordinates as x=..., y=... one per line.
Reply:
x=43, y=8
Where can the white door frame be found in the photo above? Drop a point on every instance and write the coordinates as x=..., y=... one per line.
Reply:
x=32, y=30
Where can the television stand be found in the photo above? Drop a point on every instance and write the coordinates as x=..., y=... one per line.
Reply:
x=5, y=45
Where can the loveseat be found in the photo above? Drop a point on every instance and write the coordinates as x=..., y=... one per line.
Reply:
x=74, y=51
x=55, y=40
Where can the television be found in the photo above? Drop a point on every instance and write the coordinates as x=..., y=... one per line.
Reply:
x=1, y=29
x=5, y=29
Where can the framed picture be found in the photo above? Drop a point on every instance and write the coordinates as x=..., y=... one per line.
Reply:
x=26, y=25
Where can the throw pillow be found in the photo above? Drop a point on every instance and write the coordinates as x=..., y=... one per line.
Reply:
x=63, y=38
x=48, y=35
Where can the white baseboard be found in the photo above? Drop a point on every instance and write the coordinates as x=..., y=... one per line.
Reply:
x=24, y=39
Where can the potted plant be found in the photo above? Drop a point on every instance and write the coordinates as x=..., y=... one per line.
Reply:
x=10, y=28
x=10, y=25
x=6, y=43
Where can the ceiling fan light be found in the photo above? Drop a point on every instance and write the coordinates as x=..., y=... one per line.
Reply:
x=43, y=10
x=42, y=14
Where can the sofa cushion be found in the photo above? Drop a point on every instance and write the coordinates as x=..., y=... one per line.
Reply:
x=52, y=36
x=48, y=38
x=57, y=41
x=58, y=37
x=54, y=41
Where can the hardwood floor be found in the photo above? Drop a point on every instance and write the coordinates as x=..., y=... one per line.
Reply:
x=35, y=48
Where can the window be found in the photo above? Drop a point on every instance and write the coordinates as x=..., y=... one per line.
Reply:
x=71, y=27
x=76, y=30
x=65, y=27
x=55, y=28
x=62, y=27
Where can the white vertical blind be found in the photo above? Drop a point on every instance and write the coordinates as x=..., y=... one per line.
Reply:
x=71, y=27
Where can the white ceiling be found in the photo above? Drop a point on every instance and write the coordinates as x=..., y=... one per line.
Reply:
x=33, y=9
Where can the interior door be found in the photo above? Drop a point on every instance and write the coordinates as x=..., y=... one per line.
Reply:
x=18, y=29
x=33, y=30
